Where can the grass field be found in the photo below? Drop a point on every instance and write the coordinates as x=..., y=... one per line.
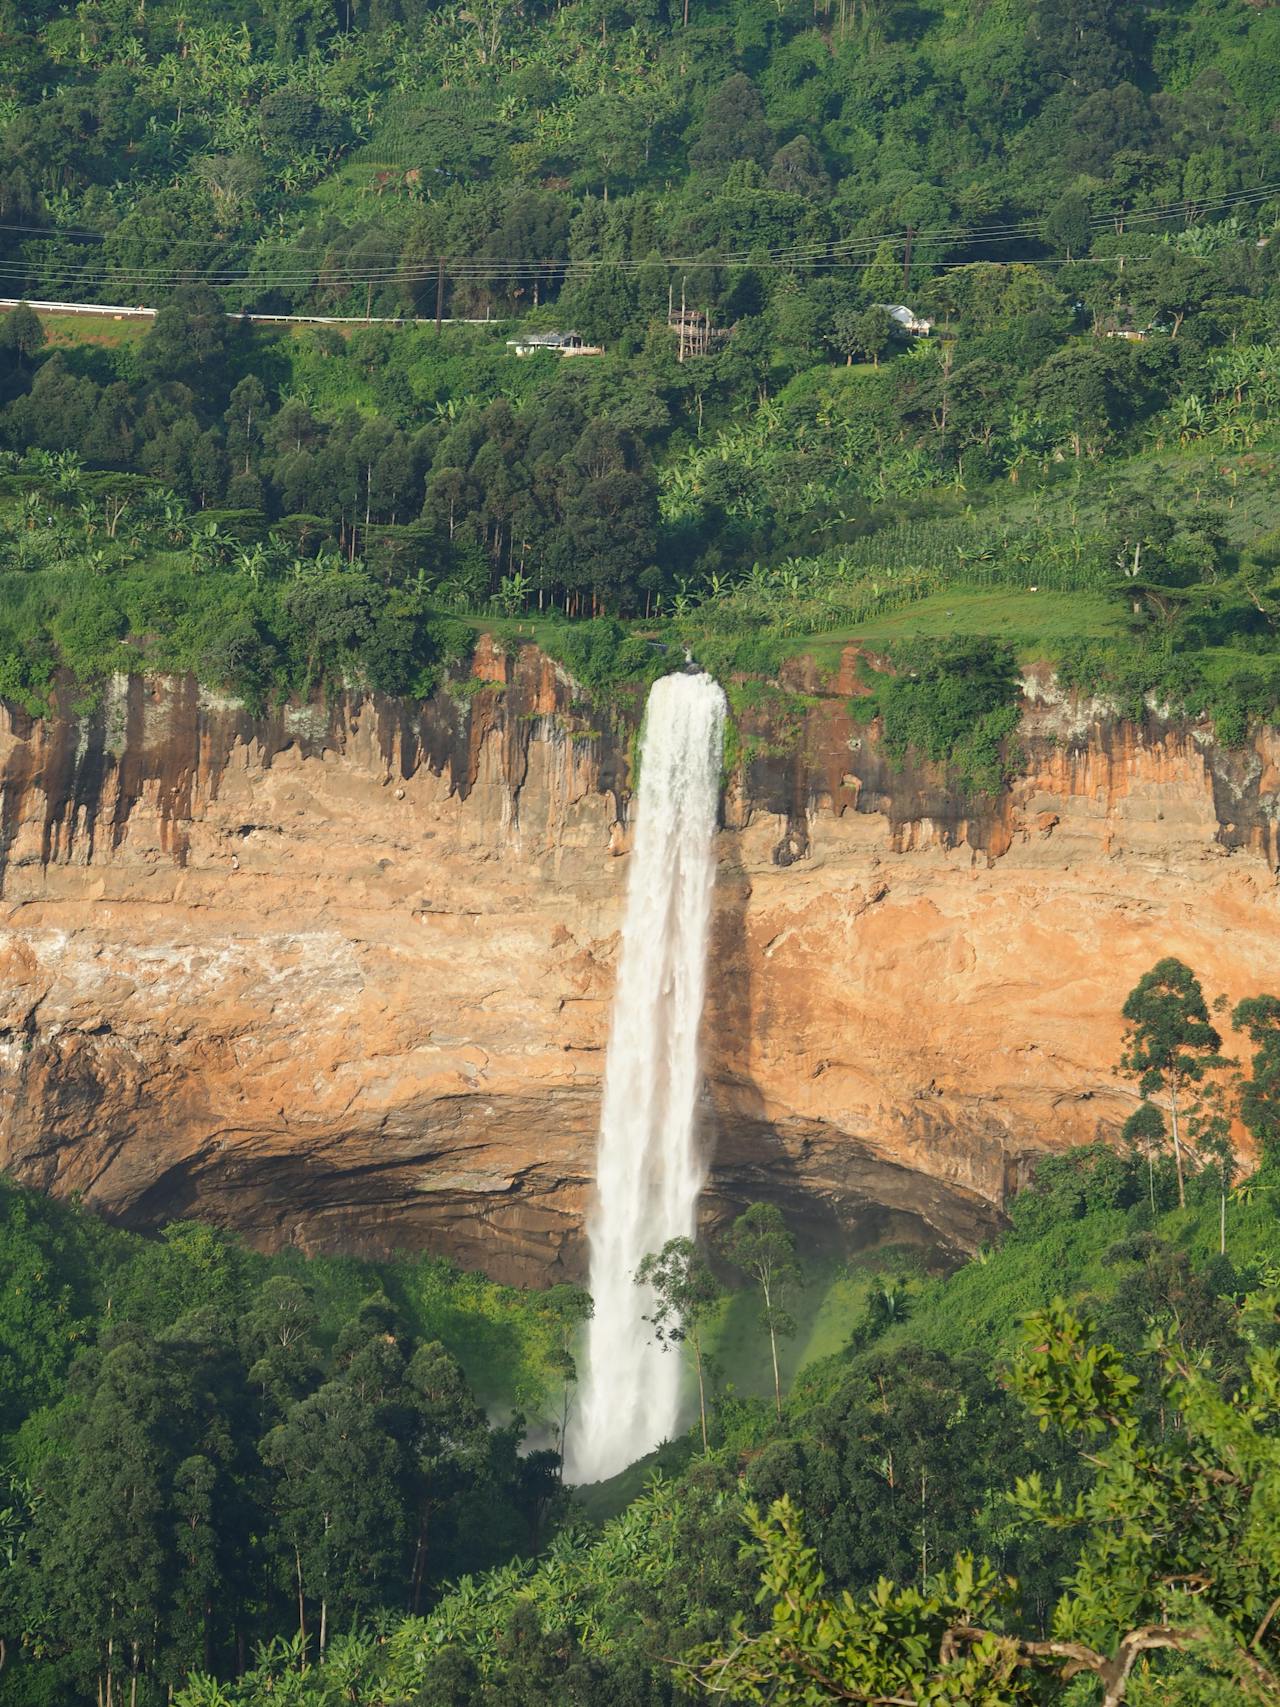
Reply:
x=64, y=331
x=1035, y=624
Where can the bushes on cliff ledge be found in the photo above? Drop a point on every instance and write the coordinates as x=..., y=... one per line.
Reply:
x=955, y=700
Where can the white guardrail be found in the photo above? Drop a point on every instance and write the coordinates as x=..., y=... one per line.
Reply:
x=121, y=311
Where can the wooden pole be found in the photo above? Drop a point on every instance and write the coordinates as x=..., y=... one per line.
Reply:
x=439, y=292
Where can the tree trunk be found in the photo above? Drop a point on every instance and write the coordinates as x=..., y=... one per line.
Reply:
x=1222, y=1216
x=924, y=1528
x=702, y=1396
x=773, y=1349
x=419, y=1565
x=297, y=1560
x=1177, y=1142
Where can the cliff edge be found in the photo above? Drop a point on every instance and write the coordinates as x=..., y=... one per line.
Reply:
x=339, y=975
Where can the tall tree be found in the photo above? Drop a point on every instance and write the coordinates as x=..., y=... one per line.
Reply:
x=338, y=1509
x=1146, y=1131
x=449, y=1449
x=685, y=1293
x=284, y=1359
x=571, y=1308
x=1067, y=226
x=247, y=416
x=1170, y=1042
x=733, y=126
x=862, y=332
x=882, y=280
x=760, y=1244
x=1081, y=43
x=188, y=338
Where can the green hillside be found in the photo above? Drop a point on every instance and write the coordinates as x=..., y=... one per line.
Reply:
x=1078, y=196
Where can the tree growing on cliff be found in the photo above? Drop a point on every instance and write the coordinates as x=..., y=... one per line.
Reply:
x=761, y=1246
x=685, y=1292
x=1259, y=1019
x=1170, y=1042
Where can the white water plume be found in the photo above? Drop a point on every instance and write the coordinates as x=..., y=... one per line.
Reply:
x=649, y=1171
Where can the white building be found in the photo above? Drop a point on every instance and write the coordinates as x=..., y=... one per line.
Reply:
x=563, y=344
x=906, y=318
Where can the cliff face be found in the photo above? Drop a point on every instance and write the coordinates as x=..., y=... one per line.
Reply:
x=340, y=975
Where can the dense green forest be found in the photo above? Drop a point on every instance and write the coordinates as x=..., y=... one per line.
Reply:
x=203, y=1446
x=245, y=1479
x=1078, y=458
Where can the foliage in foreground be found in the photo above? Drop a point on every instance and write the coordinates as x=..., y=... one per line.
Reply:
x=262, y=1454
x=1180, y=1552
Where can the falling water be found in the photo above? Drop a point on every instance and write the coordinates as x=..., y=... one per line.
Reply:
x=649, y=1171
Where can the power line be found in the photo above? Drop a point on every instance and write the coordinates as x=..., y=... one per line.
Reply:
x=835, y=252
x=1108, y=261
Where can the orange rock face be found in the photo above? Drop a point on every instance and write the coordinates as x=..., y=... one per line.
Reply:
x=341, y=976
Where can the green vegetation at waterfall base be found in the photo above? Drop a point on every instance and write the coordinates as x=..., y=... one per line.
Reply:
x=195, y=1397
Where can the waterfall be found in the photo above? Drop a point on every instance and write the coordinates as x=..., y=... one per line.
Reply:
x=649, y=1172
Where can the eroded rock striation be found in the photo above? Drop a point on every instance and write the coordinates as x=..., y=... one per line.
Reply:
x=339, y=975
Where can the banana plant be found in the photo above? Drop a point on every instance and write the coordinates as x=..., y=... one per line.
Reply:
x=513, y=593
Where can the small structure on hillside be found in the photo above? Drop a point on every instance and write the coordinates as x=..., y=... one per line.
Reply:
x=560, y=343
x=694, y=332
x=906, y=319
x=1121, y=324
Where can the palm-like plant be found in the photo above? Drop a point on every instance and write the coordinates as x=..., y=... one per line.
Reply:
x=209, y=545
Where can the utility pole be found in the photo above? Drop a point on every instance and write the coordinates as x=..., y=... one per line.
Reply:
x=439, y=292
x=682, y=285
x=906, y=261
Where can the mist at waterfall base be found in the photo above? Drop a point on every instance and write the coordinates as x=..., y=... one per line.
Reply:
x=649, y=1171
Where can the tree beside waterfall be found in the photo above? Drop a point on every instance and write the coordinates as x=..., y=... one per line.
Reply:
x=760, y=1244
x=685, y=1295
x=572, y=1307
